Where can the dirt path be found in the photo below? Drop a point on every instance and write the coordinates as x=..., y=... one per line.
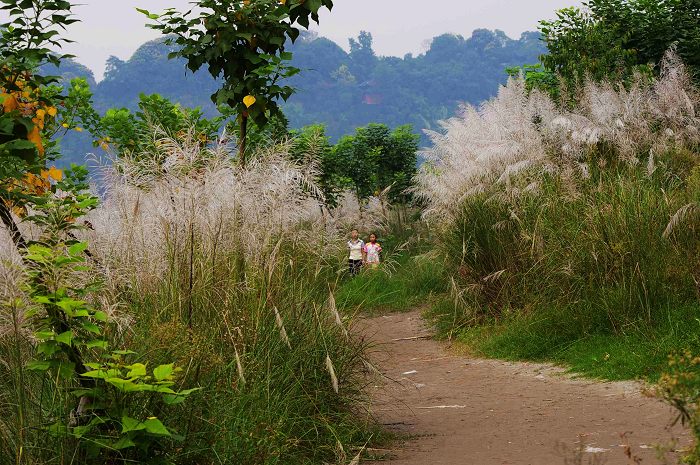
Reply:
x=461, y=411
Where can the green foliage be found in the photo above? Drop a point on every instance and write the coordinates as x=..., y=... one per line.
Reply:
x=575, y=337
x=376, y=159
x=133, y=132
x=312, y=141
x=407, y=281
x=579, y=273
x=680, y=387
x=614, y=39
x=537, y=77
x=137, y=133
x=71, y=344
x=242, y=42
x=523, y=256
x=333, y=88
x=650, y=27
x=26, y=43
x=580, y=46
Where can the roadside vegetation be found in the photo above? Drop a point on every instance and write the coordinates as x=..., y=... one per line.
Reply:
x=185, y=315
x=566, y=208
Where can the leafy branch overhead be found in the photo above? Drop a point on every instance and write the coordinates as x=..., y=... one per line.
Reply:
x=243, y=43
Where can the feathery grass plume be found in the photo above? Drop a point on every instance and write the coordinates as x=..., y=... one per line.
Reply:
x=334, y=310
x=331, y=372
x=681, y=217
x=194, y=251
x=356, y=459
x=514, y=139
x=350, y=213
x=280, y=325
x=155, y=202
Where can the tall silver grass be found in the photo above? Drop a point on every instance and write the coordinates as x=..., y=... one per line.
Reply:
x=519, y=132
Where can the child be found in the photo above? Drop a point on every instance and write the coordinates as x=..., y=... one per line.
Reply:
x=372, y=251
x=357, y=252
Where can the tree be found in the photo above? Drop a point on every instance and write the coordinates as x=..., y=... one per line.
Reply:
x=580, y=46
x=243, y=42
x=376, y=159
x=362, y=55
x=312, y=141
x=29, y=101
x=614, y=39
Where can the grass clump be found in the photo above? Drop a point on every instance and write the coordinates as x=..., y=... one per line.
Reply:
x=413, y=280
x=205, y=265
x=571, y=236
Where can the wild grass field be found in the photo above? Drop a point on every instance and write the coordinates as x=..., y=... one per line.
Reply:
x=193, y=267
x=570, y=235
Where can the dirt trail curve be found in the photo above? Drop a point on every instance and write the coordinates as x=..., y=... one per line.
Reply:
x=461, y=411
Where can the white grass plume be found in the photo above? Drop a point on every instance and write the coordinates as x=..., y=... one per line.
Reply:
x=511, y=140
x=331, y=372
x=280, y=326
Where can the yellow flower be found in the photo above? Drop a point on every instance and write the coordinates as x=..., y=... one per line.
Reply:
x=52, y=111
x=79, y=129
x=65, y=125
x=53, y=173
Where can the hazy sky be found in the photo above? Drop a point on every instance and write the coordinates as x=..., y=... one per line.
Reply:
x=113, y=27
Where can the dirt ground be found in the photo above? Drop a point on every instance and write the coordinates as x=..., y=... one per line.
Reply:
x=454, y=410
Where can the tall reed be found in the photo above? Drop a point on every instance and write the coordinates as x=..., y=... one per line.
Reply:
x=226, y=272
x=540, y=207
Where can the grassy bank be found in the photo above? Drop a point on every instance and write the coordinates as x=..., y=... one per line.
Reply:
x=190, y=269
x=572, y=236
x=556, y=337
x=407, y=282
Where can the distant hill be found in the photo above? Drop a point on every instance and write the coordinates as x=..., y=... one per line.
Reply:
x=340, y=89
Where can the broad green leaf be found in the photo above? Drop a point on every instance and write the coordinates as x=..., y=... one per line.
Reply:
x=39, y=365
x=77, y=248
x=93, y=328
x=163, y=372
x=178, y=398
x=131, y=424
x=155, y=427
x=136, y=370
x=124, y=443
x=100, y=344
x=123, y=352
x=65, y=338
x=44, y=334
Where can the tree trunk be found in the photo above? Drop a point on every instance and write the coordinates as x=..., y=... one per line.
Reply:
x=242, y=139
x=9, y=222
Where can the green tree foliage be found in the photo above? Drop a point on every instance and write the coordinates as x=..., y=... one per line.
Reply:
x=332, y=88
x=350, y=90
x=372, y=160
x=376, y=159
x=313, y=141
x=242, y=42
x=150, y=71
x=29, y=100
x=613, y=39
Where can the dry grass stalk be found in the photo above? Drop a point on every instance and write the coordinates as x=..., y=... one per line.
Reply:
x=334, y=310
x=331, y=372
x=280, y=325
